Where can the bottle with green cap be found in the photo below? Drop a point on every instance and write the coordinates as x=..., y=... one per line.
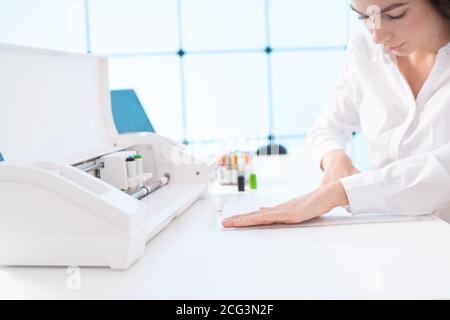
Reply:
x=131, y=167
x=139, y=167
x=252, y=174
x=253, y=181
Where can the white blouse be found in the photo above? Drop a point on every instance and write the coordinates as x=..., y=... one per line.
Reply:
x=408, y=139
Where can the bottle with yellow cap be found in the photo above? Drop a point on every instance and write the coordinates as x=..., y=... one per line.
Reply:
x=234, y=168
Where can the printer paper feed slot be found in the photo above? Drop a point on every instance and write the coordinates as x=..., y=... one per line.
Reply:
x=88, y=182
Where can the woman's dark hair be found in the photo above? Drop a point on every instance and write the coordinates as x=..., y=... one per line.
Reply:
x=442, y=7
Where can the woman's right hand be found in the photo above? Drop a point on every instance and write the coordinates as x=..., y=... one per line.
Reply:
x=336, y=165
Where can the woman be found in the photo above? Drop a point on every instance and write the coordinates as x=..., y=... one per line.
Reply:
x=396, y=90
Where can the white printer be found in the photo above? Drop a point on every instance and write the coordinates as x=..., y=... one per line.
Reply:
x=73, y=192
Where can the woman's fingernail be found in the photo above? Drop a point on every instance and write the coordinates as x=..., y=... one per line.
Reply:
x=227, y=223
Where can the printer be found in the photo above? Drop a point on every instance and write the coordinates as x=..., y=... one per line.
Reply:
x=73, y=192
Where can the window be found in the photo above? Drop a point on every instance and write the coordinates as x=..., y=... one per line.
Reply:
x=204, y=69
x=229, y=67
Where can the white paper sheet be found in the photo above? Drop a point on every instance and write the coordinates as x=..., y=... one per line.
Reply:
x=239, y=204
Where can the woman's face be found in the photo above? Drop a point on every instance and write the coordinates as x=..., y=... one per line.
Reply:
x=401, y=26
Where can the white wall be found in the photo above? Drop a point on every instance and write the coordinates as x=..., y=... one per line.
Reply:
x=54, y=24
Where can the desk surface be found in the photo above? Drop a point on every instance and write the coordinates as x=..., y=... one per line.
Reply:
x=194, y=259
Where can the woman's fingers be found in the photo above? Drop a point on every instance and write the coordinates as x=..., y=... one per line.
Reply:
x=230, y=221
x=240, y=221
x=243, y=215
x=288, y=212
x=264, y=217
x=247, y=221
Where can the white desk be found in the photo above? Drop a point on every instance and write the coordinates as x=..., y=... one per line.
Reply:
x=194, y=259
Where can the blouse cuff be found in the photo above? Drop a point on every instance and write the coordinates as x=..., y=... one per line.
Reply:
x=365, y=193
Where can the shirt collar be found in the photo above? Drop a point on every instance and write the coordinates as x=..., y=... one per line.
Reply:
x=445, y=48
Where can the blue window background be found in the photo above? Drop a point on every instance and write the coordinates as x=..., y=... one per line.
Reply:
x=206, y=69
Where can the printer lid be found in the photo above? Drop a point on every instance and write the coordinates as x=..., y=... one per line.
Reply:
x=54, y=106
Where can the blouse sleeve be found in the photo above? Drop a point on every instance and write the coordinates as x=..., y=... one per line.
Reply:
x=411, y=186
x=334, y=128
